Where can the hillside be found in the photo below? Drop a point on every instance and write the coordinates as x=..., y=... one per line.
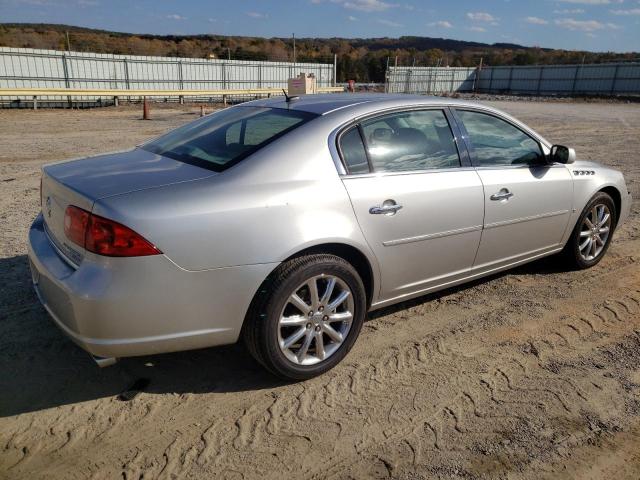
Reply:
x=360, y=59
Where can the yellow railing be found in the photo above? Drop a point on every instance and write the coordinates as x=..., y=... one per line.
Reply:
x=82, y=92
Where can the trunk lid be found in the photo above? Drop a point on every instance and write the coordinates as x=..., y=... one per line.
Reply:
x=123, y=172
x=82, y=182
x=55, y=198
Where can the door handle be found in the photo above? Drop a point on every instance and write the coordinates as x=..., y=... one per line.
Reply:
x=503, y=194
x=387, y=208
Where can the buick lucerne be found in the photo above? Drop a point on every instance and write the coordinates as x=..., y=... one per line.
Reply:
x=283, y=221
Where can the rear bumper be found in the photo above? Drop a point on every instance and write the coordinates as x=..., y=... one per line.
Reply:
x=121, y=307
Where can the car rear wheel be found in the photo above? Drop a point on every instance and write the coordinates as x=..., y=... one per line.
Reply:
x=593, y=231
x=306, y=317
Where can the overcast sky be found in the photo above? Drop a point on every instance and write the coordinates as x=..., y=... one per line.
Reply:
x=596, y=25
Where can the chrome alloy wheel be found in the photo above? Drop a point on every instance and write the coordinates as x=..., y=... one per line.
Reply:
x=316, y=320
x=594, y=232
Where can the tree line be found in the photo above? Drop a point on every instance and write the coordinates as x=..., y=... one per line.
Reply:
x=362, y=60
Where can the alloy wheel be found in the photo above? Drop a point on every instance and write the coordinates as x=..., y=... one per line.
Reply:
x=594, y=232
x=315, y=320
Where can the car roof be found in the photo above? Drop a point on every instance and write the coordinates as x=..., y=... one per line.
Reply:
x=351, y=105
x=322, y=104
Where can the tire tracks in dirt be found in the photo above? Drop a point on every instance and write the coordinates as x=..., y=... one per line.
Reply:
x=505, y=377
x=487, y=383
x=498, y=392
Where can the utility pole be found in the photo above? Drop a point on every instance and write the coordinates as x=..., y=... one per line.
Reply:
x=228, y=53
x=294, y=48
x=386, y=78
x=476, y=79
x=68, y=44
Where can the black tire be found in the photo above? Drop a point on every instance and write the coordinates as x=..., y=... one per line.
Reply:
x=572, y=248
x=260, y=332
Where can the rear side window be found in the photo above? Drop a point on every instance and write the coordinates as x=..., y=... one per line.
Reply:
x=496, y=142
x=414, y=140
x=224, y=138
x=353, y=152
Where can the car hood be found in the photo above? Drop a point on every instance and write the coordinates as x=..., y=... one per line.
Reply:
x=122, y=172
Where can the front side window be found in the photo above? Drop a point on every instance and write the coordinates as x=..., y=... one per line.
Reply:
x=224, y=138
x=414, y=140
x=497, y=142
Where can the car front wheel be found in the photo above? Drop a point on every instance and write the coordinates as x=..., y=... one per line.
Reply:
x=306, y=317
x=593, y=232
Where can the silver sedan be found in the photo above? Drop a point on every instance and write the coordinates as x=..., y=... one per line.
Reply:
x=284, y=221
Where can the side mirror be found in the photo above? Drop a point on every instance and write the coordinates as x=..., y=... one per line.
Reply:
x=562, y=154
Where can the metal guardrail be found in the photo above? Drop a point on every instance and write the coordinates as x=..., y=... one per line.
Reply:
x=34, y=93
x=83, y=92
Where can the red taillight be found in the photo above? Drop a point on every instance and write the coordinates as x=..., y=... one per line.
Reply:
x=106, y=237
x=103, y=236
x=75, y=224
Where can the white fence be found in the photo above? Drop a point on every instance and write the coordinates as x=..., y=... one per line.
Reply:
x=30, y=68
x=593, y=79
x=430, y=79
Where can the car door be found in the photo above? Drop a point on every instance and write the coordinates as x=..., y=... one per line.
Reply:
x=527, y=200
x=419, y=205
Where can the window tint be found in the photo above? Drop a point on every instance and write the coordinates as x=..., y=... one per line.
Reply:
x=353, y=154
x=261, y=128
x=497, y=142
x=417, y=140
x=222, y=139
x=233, y=133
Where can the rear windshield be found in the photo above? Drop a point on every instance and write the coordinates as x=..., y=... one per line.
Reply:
x=222, y=139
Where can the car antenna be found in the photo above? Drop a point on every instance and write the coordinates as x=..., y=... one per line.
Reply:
x=288, y=98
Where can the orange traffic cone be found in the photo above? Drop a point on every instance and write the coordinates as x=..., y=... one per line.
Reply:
x=145, y=109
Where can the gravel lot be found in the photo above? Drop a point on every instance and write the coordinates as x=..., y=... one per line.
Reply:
x=530, y=374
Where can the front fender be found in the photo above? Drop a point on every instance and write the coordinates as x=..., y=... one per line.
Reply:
x=589, y=179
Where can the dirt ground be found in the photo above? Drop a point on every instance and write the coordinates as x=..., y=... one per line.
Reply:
x=525, y=375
